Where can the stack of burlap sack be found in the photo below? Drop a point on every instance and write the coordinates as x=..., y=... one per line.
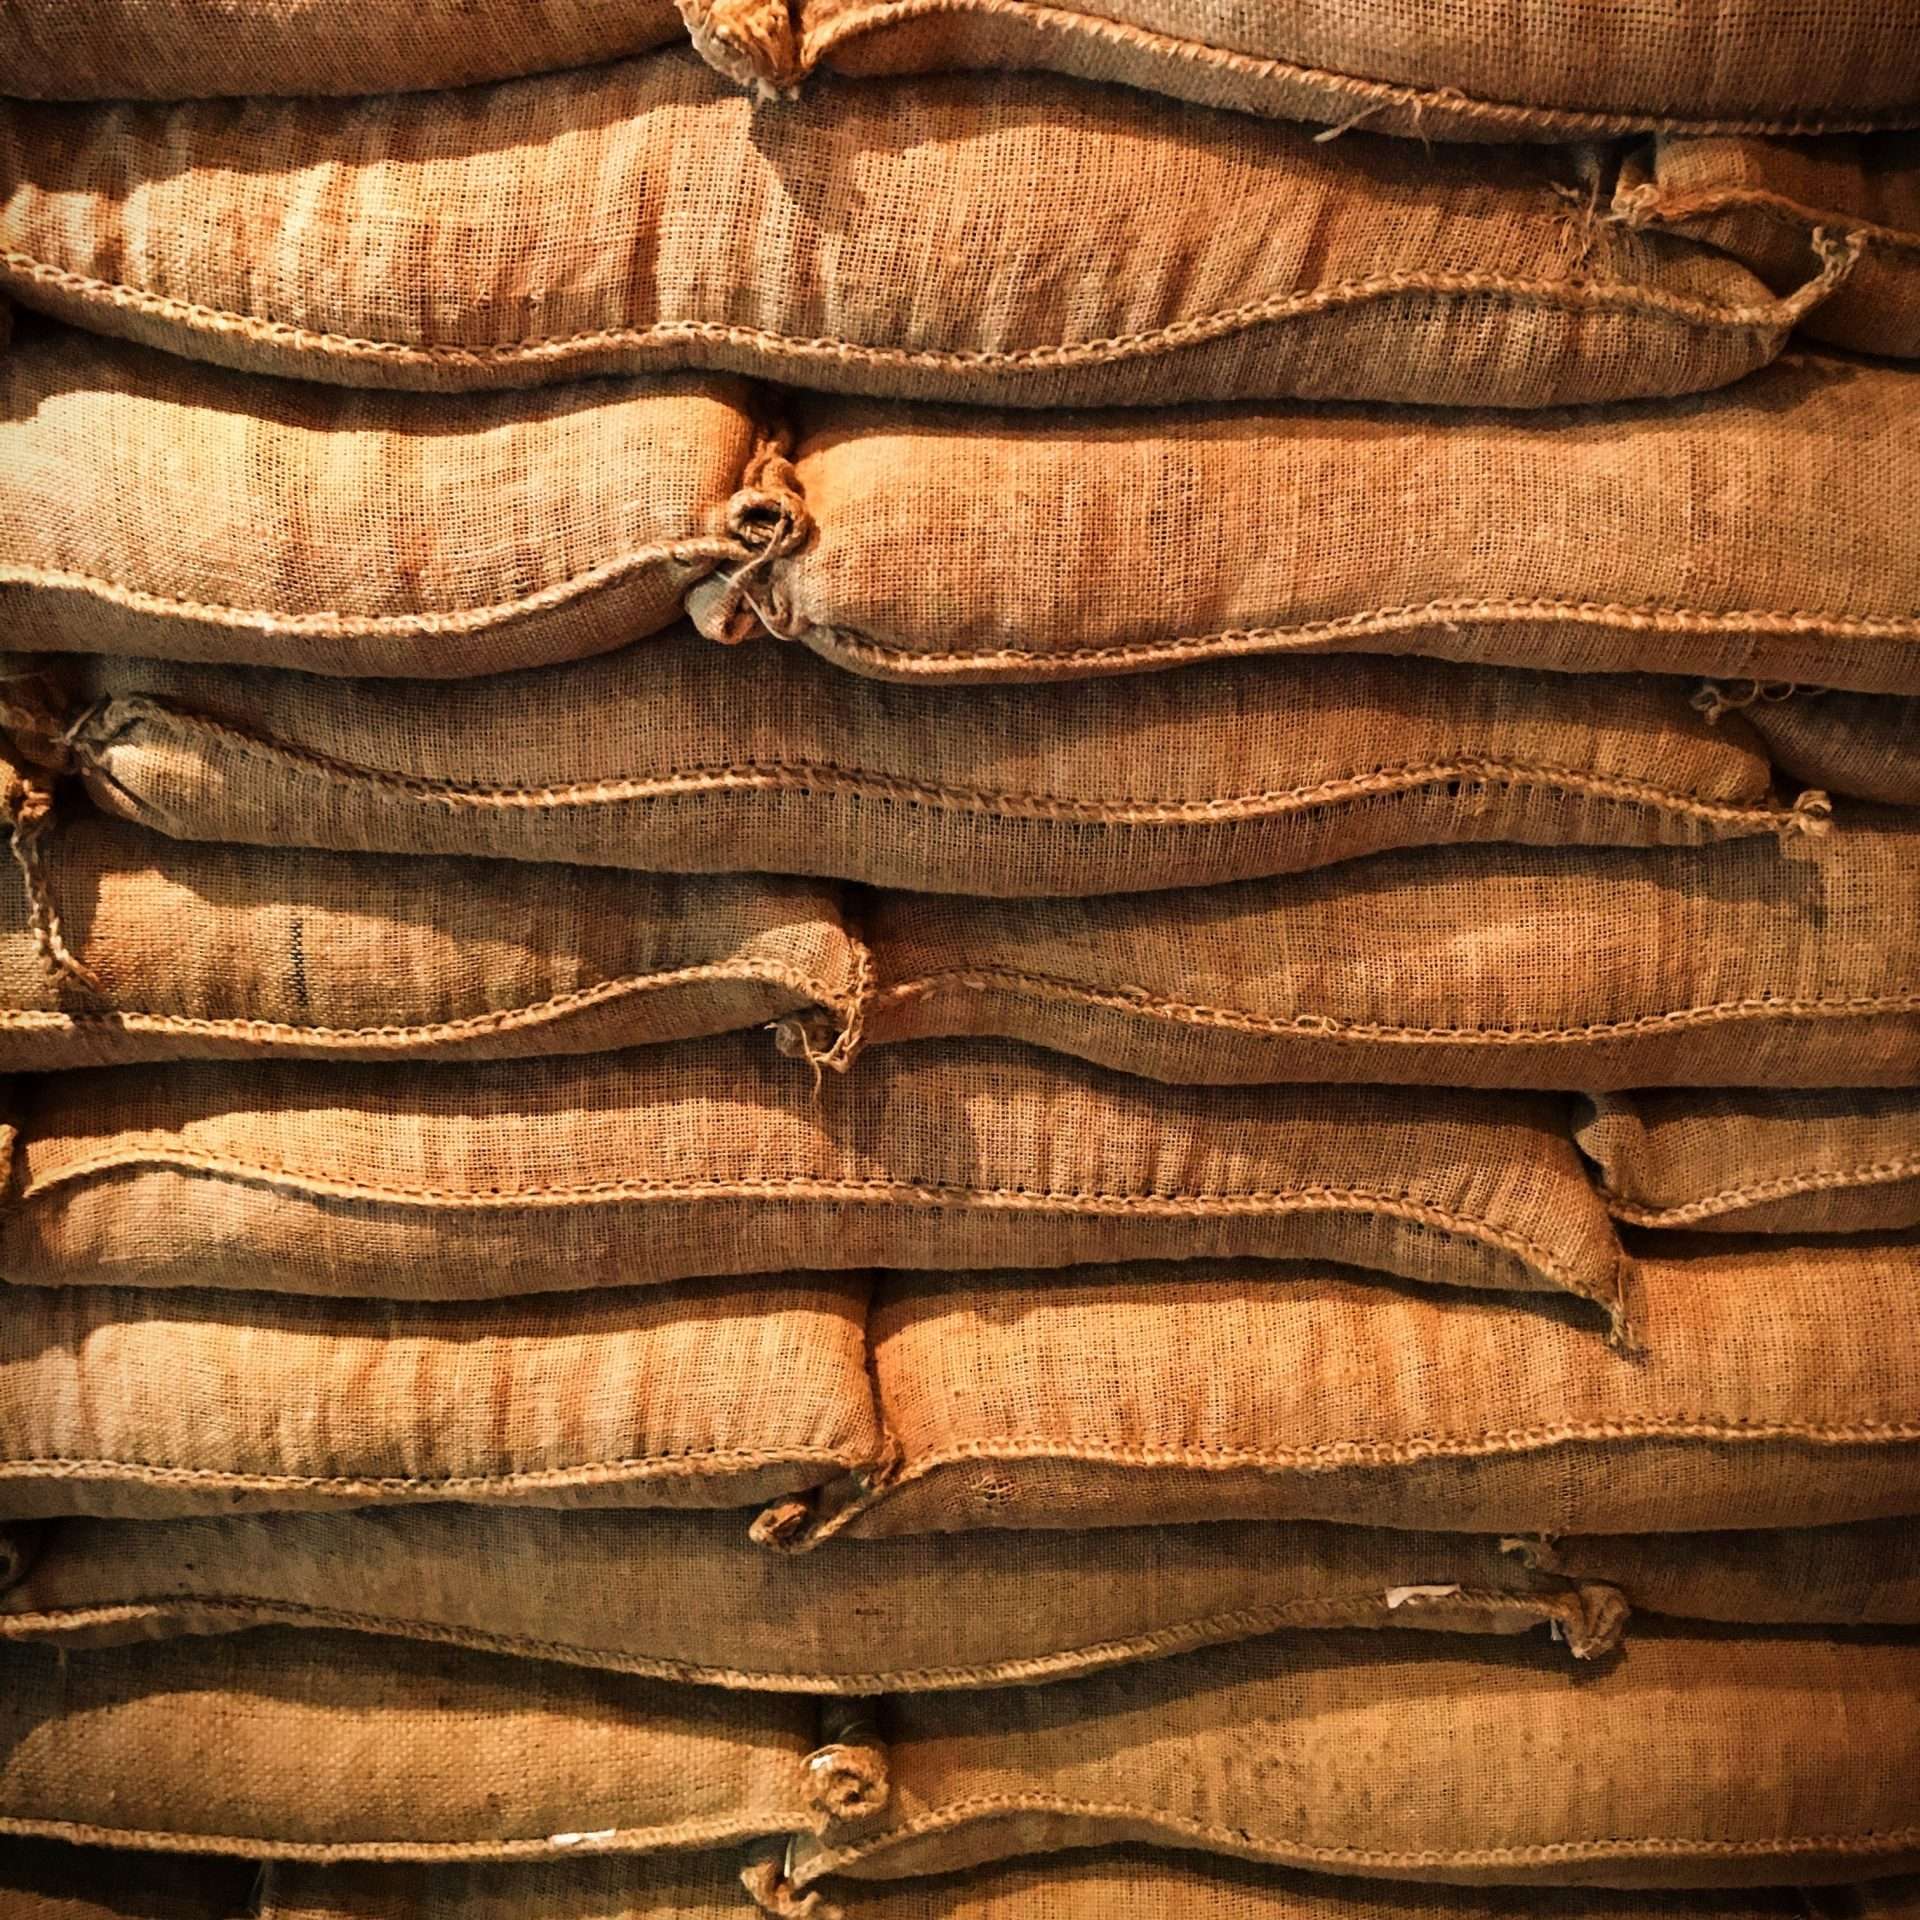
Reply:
x=964, y=960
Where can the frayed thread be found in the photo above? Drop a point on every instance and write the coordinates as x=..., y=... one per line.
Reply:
x=753, y=42
x=772, y=1892
x=28, y=801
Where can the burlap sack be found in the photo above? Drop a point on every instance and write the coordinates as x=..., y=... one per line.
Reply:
x=646, y=215
x=1737, y=965
x=117, y=945
x=1766, y=1393
x=122, y=1402
x=681, y=755
x=341, y=1746
x=50, y=1880
x=1743, y=1162
x=1504, y=72
x=1081, y=1885
x=1694, y=538
x=150, y=505
x=686, y=1596
x=1699, y=1759
x=1864, y=744
x=720, y=1157
x=187, y=49
x=1761, y=200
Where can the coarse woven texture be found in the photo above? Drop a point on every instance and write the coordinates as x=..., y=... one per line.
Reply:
x=1862, y=744
x=684, y=756
x=117, y=1401
x=720, y=1157
x=203, y=951
x=1697, y=1759
x=1754, y=532
x=151, y=505
x=1742, y=964
x=1065, y=1886
x=688, y=1597
x=343, y=1746
x=647, y=215
x=1761, y=201
x=188, y=49
x=1746, y=1162
x=1516, y=70
x=1772, y=1387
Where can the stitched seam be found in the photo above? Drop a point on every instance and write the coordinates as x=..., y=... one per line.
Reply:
x=1393, y=1203
x=603, y=574
x=815, y=776
x=688, y=1463
x=1331, y=1027
x=1657, y=203
x=1383, y=93
x=537, y=1013
x=1733, y=1199
x=1774, y=315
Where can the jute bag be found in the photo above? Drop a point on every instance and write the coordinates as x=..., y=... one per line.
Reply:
x=686, y=1596
x=151, y=505
x=50, y=1880
x=1744, y=1162
x=1506, y=72
x=1760, y=200
x=681, y=755
x=341, y=1747
x=720, y=1157
x=117, y=945
x=646, y=215
x=117, y=1401
x=1690, y=538
x=1698, y=1759
x=1736, y=965
x=1864, y=744
x=1764, y=1392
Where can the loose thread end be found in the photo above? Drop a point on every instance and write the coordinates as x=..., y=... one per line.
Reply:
x=29, y=805
x=772, y=1892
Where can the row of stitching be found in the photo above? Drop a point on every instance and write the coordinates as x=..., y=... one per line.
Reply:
x=1735, y=1199
x=1417, y=103
x=1331, y=1027
x=1569, y=295
x=863, y=783
x=1656, y=203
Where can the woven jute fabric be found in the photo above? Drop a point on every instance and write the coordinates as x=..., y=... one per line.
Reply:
x=687, y=1596
x=186, y=49
x=1699, y=1759
x=118, y=945
x=1746, y=1162
x=646, y=215
x=1697, y=537
x=1081, y=1885
x=126, y=1402
x=1765, y=1392
x=338, y=1746
x=681, y=755
x=151, y=505
x=1504, y=72
x=721, y=1157
x=1761, y=200
x=1864, y=744
x=1736, y=965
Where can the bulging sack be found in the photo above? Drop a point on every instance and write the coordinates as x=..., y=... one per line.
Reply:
x=1771, y=1388
x=1589, y=969
x=646, y=215
x=719, y=1157
x=1685, y=538
x=1762, y=200
x=117, y=1401
x=1862, y=744
x=118, y=946
x=1747, y=1162
x=342, y=1747
x=1698, y=1759
x=680, y=755
x=687, y=1597
x=151, y=505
